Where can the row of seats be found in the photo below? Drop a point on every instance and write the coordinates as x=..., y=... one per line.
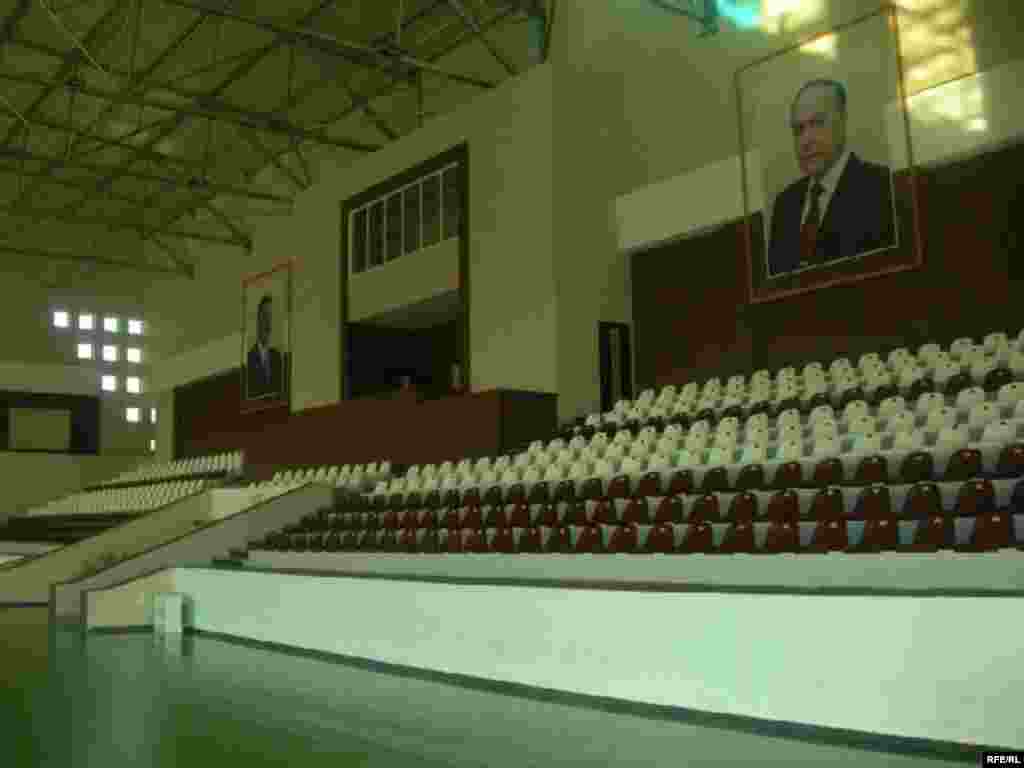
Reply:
x=991, y=364
x=933, y=441
x=346, y=476
x=228, y=463
x=134, y=499
x=975, y=515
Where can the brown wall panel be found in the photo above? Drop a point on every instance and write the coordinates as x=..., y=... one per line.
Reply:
x=692, y=321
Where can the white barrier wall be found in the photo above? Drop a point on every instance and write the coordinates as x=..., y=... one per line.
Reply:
x=942, y=668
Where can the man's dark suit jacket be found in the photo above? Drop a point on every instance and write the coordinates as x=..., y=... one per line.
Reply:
x=261, y=382
x=859, y=217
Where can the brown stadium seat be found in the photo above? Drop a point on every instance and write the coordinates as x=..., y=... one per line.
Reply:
x=1011, y=461
x=495, y=517
x=607, y=512
x=407, y=541
x=992, y=527
x=743, y=508
x=451, y=518
x=783, y=507
x=826, y=505
x=619, y=487
x=518, y=515
x=475, y=540
x=576, y=513
x=389, y=518
x=471, y=497
x=827, y=472
x=681, y=481
x=788, y=475
x=871, y=469
x=452, y=540
x=515, y=494
x=739, y=538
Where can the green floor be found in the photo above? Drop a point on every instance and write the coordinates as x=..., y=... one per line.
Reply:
x=140, y=699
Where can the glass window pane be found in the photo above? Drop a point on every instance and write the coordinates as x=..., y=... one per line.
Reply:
x=394, y=227
x=377, y=233
x=111, y=324
x=109, y=384
x=359, y=240
x=152, y=415
x=133, y=355
x=61, y=319
x=109, y=353
x=431, y=209
x=84, y=351
x=412, y=218
x=152, y=445
x=131, y=415
x=86, y=322
x=133, y=385
x=452, y=203
x=135, y=327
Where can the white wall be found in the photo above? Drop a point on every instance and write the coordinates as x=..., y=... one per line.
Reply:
x=777, y=657
x=34, y=478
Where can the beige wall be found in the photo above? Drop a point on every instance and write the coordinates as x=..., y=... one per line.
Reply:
x=34, y=478
x=430, y=272
x=630, y=97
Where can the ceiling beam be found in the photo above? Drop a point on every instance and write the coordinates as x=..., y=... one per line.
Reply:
x=269, y=156
x=39, y=253
x=209, y=108
x=13, y=19
x=113, y=172
x=471, y=22
x=239, y=71
x=357, y=53
x=71, y=60
x=113, y=225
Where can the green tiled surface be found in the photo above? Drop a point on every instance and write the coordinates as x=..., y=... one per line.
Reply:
x=139, y=699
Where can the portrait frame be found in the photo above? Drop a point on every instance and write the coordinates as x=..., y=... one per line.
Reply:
x=270, y=387
x=905, y=251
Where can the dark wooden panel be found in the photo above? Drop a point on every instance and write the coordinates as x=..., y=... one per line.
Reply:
x=525, y=417
x=692, y=321
x=84, y=410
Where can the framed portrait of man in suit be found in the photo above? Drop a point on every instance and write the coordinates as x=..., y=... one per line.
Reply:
x=828, y=178
x=266, y=338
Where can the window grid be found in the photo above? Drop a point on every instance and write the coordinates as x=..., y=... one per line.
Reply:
x=367, y=208
x=61, y=318
x=131, y=415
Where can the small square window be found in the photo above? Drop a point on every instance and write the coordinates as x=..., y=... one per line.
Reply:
x=152, y=446
x=61, y=319
x=111, y=324
x=135, y=327
x=152, y=415
x=110, y=383
x=133, y=385
x=84, y=351
x=109, y=353
x=86, y=322
x=133, y=355
x=131, y=415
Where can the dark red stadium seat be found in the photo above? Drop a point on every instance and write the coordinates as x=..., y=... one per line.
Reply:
x=452, y=518
x=875, y=503
x=963, y=465
x=932, y=534
x=389, y=518
x=784, y=507
x=625, y=539
x=669, y=510
x=471, y=497
x=637, y=511
x=871, y=469
x=706, y=508
x=649, y=485
x=589, y=538
x=660, y=539
x=529, y=540
x=697, y=537
x=788, y=475
x=681, y=481
x=576, y=513
x=743, y=508
x=739, y=538
x=828, y=472
x=606, y=512
x=475, y=540
x=407, y=541
x=619, y=487
x=503, y=540
x=518, y=515
x=453, y=540
x=495, y=517
x=472, y=517
x=829, y=536
x=549, y=515
x=826, y=505
x=992, y=527
x=923, y=501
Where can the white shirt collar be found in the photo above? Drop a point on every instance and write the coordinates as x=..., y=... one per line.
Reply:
x=830, y=179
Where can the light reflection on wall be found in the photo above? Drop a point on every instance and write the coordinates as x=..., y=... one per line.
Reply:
x=782, y=16
x=938, y=48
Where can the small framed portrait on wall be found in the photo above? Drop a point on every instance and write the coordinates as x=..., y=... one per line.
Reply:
x=266, y=338
x=829, y=185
